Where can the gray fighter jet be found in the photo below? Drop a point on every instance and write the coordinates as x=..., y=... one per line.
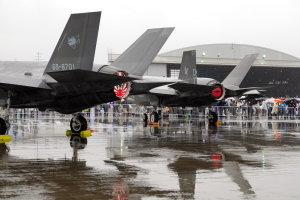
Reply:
x=188, y=90
x=68, y=84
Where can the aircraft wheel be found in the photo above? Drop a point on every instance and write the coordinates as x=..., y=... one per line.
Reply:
x=212, y=117
x=145, y=117
x=79, y=124
x=154, y=117
x=3, y=127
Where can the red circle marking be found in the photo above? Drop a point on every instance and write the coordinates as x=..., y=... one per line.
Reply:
x=217, y=92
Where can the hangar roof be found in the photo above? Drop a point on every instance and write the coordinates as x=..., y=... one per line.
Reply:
x=227, y=54
x=232, y=51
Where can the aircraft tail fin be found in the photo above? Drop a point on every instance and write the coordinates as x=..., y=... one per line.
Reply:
x=237, y=75
x=188, y=71
x=138, y=57
x=77, y=44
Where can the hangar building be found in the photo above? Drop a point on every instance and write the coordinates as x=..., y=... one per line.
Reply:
x=271, y=68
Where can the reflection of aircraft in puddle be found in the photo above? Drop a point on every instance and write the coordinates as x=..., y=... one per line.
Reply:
x=63, y=178
x=267, y=132
x=192, y=148
x=214, y=156
x=78, y=142
x=120, y=190
x=4, y=149
x=186, y=168
x=196, y=149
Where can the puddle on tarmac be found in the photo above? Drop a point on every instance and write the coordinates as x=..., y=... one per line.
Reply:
x=183, y=159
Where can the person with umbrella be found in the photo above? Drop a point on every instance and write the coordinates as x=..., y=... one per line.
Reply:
x=282, y=109
x=275, y=109
x=291, y=108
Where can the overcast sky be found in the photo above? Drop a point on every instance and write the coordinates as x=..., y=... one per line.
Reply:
x=31, y=26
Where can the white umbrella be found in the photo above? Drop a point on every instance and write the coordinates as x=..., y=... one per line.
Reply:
x=230, y=98
x=269, y=101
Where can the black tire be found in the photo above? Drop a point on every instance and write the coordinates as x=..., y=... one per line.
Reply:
x=145, y=117
x=212, y=118
x=154, y=117
x=78, y=125
x=3, y=127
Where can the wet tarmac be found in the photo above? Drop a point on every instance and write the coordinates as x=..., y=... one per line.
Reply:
x=182, y=159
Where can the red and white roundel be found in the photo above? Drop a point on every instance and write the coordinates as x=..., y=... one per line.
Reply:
x=217, y=92
x=122, y=90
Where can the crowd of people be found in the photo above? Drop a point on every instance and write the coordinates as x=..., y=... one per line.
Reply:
x=259, y=107
x=271, y=107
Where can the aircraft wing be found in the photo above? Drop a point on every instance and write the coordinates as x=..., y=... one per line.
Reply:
x=17, y=83
x=87, y=76
x=240, y=91
x=184, y=87
x=144, y=87
x=163, y=91
x=83, y=81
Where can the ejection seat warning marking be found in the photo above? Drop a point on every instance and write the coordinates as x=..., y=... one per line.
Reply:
x=66, y=66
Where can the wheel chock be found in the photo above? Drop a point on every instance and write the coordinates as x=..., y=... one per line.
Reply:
x=5, y=138
x=153, y=123
x=69, y=133
x=83, y=134
x=218, y=123
x=86, y=133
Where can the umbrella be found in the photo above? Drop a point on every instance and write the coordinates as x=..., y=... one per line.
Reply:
x=270, y=101
x=230, y=98
x=278, y=100
x=287, y=101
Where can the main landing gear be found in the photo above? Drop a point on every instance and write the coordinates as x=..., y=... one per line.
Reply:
x=212, y=117
x=4, y=119
x=4, y=126
x=154, y=116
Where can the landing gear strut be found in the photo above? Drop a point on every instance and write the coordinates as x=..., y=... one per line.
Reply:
x=145, y=117
x=4, y=119
x=212, y=117
x=78, y=123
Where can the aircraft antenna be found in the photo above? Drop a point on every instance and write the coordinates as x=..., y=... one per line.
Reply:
x=109, y=55
x=38, y=57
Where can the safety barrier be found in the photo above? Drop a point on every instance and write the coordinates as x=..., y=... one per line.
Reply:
x=131, y=110
x=248, y=111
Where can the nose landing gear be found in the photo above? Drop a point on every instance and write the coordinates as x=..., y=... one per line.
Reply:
x=78, y=123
